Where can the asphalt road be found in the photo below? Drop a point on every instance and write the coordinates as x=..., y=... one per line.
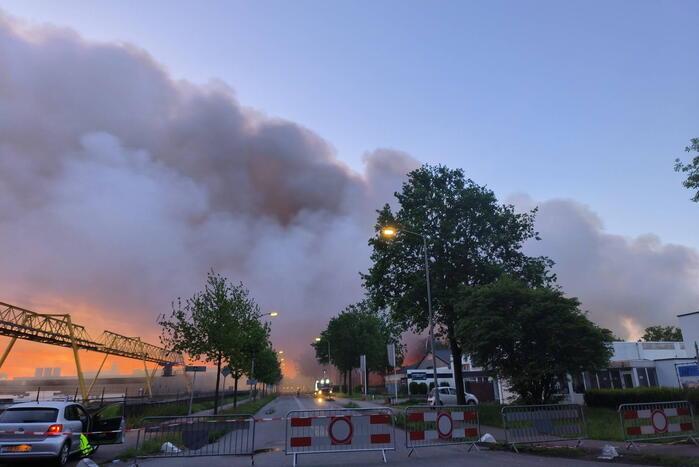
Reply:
x=269, y=443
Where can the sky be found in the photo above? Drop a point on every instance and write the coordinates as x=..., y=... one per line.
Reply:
x=576, y=107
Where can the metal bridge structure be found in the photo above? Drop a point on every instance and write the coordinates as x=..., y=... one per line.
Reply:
x=59, y=329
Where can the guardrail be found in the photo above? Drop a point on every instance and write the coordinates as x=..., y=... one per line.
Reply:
x=196, y=436
x=657, y=420
x=442, y=425
x=534, y=424
x=339, y=430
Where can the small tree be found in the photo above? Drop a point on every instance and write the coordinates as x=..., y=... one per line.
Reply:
x=691, y=169
x=531, y=337
x=356, y=331
x=662, y=334
x=212, y=324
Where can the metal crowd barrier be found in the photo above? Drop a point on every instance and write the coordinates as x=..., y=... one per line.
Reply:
x=534, y=424
x=657, y=420
x=339, y=430
x=442, y=425
x=196, y=436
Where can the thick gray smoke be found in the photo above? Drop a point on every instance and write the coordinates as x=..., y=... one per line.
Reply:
x=626, y=284
x=121, y=187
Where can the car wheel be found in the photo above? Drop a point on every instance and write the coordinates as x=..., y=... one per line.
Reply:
x=471, y=402
x=63, y=455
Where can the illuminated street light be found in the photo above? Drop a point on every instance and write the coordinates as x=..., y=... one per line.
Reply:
x=280, y=352
x=318, y=339
x=390, y=232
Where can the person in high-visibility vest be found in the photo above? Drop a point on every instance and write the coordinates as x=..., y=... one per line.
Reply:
x=85, y=447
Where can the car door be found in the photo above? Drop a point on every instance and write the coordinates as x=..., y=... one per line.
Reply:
x=452, y=396
x=108, y=419
x=74, y=425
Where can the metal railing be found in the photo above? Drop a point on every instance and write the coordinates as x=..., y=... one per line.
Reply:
x=534, y=424
x=339, y=430
x=657, y=420
x=196, y=436
x=442, y=425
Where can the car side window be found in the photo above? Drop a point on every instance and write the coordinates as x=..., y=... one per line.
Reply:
x=452, y=391
x=71, y=413
x=81, y=412
x=444, y=391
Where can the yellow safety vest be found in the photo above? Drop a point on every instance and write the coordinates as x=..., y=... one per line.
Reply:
x=85, y=448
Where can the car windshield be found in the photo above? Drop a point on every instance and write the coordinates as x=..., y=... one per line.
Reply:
x=29, y=415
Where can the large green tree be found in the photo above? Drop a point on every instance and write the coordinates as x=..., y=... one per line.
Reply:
x=357, y=330
x=472, y=239
x=691, y=169
x=252, y=341
x=529, y=336
x=662, y=334
x=213, y=325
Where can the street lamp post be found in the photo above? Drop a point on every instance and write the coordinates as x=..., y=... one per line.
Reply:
x=391, y=232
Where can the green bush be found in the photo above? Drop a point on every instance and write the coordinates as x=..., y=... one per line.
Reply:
x=444, y=384
x=612, y=398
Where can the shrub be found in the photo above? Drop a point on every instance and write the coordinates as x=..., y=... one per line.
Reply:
x=414, y=387
x=612, y=398
x=444, y=384
x=423, y=388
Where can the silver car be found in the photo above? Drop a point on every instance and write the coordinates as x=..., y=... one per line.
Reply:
x=447, y=396
x=51, y=430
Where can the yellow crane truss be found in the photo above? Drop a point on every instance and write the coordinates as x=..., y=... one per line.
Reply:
x=58, y=329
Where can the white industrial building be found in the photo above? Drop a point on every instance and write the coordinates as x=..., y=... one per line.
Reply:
x=639, y=364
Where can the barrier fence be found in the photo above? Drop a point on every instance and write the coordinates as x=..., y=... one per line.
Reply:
x=427, y=426
x=657, y=420
x=196, y=436
x=339, y=430
x=534, y=424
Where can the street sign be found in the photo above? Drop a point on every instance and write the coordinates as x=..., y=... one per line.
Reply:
x=225, y=372
x=192, y=368
x=418, y=376
x=252, y=382
x=391, y=355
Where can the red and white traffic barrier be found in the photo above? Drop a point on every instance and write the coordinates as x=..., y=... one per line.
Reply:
x=436, y=426
x=657, y=420
x=339, y=430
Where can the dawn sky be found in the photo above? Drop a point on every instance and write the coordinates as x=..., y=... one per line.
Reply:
x=584, y=100
x=257, y=138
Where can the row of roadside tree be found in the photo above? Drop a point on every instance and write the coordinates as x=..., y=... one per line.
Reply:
x=223, y=325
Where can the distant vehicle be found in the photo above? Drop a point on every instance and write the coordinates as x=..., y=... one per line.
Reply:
x=324, y=389
x=60, y=425
x=447, y=396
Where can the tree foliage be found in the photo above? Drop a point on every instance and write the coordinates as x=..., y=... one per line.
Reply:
x=357, y=330
x=472, y=240
x=691, y=169
x=662, y=334
x=219, y=324
x=529, y=336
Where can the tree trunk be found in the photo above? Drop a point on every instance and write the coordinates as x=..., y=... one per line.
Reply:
x=456, y=354
x=235, y=391
x=218, y=381
x=344, y=382
x=350, y=383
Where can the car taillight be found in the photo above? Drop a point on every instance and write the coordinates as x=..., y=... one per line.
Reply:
x=55, y=429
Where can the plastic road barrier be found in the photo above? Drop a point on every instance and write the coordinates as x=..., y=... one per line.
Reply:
x=657, y=420
x=339, y=430
x=438, y=426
